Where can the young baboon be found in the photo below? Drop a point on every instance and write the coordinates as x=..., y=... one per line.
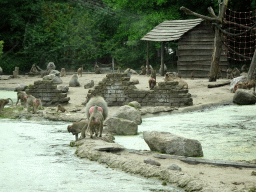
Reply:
x=74, y=81
x=80, y=71
x=60, y=108
x=236, y=72
x=229, y=73
x=22, y=96
x=77, y=128
x=63, y=72
x=4, y=102
x=33, y=69
x=33, y=102
x=167, y=77
x=152, y=82
x=143, y=70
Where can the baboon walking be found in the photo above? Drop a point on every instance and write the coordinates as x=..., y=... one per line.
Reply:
x=22, y=96
x=80, y=71
x=33, y=102
x=77, y=127
x=95, y=124
x=4, y=102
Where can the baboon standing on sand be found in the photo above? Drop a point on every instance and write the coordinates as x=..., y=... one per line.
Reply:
x=96, y=111
x=33, y=102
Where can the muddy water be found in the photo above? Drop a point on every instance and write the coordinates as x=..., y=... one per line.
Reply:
x=226, y=133
x=36, y=156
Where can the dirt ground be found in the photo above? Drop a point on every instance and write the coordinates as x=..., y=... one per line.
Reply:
x=213, y=178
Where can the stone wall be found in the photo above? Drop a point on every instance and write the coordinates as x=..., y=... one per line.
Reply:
x=118, y=90
x=47, y=92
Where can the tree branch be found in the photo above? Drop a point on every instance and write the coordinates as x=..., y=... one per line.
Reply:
x=189, y=12
x=210, y=10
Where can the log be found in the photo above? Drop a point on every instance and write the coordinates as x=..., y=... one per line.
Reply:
x=218, y=85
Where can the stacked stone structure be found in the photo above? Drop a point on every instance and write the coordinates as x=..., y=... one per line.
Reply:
x=47, y=92
x=118, y=90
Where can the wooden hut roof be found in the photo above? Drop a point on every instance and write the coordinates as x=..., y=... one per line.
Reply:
x=171, y=30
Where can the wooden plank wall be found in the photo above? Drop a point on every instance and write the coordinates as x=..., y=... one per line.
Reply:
x=195, y=53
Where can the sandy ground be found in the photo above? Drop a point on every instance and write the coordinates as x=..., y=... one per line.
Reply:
x=212, y=177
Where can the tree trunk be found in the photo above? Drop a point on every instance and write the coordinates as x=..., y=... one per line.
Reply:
x=162, y=58
x=147, y=61
x=252, y=67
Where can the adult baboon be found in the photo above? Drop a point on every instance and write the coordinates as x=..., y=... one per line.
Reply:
x=33, y=102
x=80, y=71
x=4, y=102
x=50, y=66
x=60, y=108
x=33, y=69
x=74, y=81
x=77, y=127
x=236, y=72
x=22, y=96
x=63, y=72
x=229, y=73
x=102, y=108
x=97, y=69
x=143, y=70
x=95, y=123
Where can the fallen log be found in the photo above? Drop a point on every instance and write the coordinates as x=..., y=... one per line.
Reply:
x=219, y=85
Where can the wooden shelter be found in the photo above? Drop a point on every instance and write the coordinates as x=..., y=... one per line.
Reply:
x=196, y=40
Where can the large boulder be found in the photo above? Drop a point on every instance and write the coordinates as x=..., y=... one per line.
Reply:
x=168, y=143
x=244, y=97
x=130, y=113
x=64, y=89
x=55, y=72
x=121, y=126
x=57, y=80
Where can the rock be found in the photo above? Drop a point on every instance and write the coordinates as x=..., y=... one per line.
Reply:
x=89, y=84
x=121, y=126
x=130, y=113
x=64, y=89
x=49, y=77
x=135, y=104
x=151, y=162
x=5, y=77
x=237, y=80
x=174, y=167
x=55, y=72
x=168, y=143
x=109, y=148
x=20, y=87
x=244, y=97
x=135, y=81
x=57, y=80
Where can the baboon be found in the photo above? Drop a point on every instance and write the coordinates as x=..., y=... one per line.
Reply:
x=74, y=81
x=44, y=72
x=22, y=96
x=143, y=70
x=80, y=71
x=95, y=123
x=33, y=102
x=153, y=74
x=60, y=108
x=102, y=108
x=192, y=75
x=244, y=68
x=240, y=85
x=97, y=69
x=229, y=73
x=119, y=70
x=4, y=102
x=236, y=72
x=167, y=77
x=63, y=72
x=50, y=66
x=251, y=84
x=33, y=69
x=77, y=127
x=152, y=82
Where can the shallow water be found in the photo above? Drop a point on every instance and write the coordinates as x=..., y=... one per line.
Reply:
x=36, y=156
x=226, y=133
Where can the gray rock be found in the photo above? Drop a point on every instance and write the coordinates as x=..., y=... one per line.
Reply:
x=89, y=84
x=55, y=72
x=151, y=162
x=64, y=89
x=121, y=126
x=57, y=80
x=49, y=77
x=244, y=97
x=135, y=104
x=20, y=88
x=168, y=143
x=174, y=167
x=130, y=113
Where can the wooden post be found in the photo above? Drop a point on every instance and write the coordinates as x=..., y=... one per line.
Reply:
x=113, y=65
x=162, y=58
x=147, y=61
x=252, y=67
